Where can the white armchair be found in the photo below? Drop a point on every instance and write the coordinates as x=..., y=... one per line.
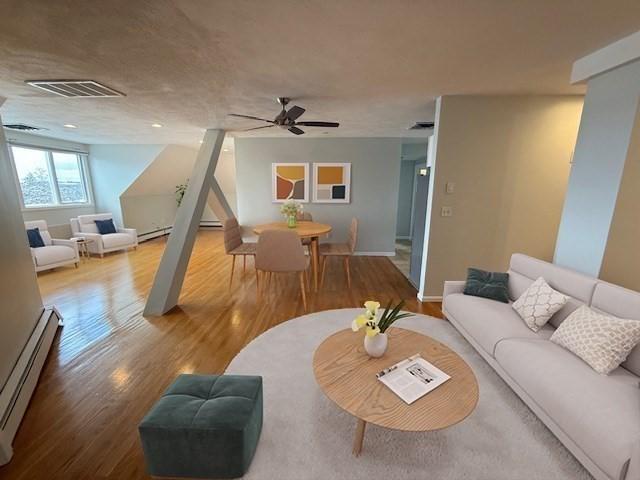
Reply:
x=55, y=253
x=85, y=226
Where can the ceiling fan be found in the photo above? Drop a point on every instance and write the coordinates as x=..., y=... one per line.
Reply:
x=286, y=119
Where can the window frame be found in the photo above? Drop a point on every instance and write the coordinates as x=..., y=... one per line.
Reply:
x=84, y=175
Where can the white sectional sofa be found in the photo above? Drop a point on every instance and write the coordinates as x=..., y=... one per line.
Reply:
x=597, y=417
x=85, y=226
x=55, y=253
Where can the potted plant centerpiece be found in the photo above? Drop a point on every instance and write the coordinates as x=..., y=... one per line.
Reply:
x=376, y=325
x=290, y=211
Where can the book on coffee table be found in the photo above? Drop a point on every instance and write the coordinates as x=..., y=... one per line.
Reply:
x=412, y=378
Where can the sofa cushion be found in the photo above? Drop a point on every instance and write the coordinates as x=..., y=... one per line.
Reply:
x=493, y=285
x=600, y=339
x=34, y=237
x=115, y=240
x=574, y=284
x=87, y=222
x=622, y=303
x=488, y=321
x=538, y=304
x=53, y=254
x=600, y=413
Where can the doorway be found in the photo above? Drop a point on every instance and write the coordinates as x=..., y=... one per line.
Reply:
x=412, y=206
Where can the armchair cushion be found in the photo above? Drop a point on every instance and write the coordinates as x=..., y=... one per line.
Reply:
x=49, y=255
x=105, y=227
x=35, y=239
x=114, y=240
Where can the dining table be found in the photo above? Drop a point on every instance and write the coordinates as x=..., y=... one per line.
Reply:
x=304, y=229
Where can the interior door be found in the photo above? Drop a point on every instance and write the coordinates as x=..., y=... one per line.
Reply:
x=418, y=221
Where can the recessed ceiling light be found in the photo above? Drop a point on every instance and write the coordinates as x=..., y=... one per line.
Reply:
x=201, y=141
x=225, y=149
x=69, y=125
x=156, y=125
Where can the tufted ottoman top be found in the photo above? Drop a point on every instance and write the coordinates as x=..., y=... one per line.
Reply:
x=206, y=402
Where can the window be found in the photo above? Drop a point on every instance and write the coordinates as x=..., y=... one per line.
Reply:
x=50, y=178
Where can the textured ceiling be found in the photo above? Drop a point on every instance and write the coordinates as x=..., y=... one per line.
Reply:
x=375, y=66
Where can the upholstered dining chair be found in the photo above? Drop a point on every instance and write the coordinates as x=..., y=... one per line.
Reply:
x=344, y=250
x=280, y=251
x=234, y=245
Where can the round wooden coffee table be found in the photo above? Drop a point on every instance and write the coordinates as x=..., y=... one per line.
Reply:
x=347, y=375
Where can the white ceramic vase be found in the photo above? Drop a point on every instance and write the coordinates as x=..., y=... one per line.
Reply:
x=377, y=345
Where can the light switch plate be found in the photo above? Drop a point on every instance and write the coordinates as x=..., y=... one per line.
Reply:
x=446, y=212
x=451, y=187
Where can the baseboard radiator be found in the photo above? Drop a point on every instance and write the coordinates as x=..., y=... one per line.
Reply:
x=17, y=391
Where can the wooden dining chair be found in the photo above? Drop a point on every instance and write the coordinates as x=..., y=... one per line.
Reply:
x=234, y=245
x=344, y=250
x=280, y=251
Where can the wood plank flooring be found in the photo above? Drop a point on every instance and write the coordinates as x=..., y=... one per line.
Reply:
x=109, y=364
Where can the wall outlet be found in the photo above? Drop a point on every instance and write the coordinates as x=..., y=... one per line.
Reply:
x=451, y=187
x=446, y=212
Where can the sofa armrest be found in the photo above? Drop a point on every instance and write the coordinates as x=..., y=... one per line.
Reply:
x=453, y=286
x=132, y=232
x=67, y=243
x=33, y=255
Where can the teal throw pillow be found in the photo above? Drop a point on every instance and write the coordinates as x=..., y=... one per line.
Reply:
x=491, y=285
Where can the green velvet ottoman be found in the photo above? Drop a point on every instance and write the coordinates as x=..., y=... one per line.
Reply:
x=204, y=426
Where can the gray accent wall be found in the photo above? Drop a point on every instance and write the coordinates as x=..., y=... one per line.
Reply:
x=405, y=199
x=375, y=173
x=606, y=131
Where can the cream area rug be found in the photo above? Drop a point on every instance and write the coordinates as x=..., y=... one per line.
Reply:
x=305, y=436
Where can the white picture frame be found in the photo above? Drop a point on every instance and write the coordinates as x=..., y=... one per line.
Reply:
x=276, y=197
x=326, y=192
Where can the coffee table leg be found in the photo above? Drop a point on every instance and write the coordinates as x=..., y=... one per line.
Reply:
x=358, y=440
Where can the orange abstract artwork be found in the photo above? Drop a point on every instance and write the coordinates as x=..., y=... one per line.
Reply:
x=290, y=182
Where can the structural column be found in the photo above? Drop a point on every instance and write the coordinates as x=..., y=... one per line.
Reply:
x=167, y=283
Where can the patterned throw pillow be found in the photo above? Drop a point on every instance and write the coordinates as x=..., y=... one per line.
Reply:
x=601, y=340
x=491, y=285
x=538, y=303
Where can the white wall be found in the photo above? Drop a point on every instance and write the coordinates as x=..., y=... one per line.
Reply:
x=375, y=171
x=508, y=157
x=606, y=130
x=149, y=202
x=113, y=169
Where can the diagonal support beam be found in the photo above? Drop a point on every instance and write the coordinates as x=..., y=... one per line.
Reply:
x=218, y=202
x=167, y=283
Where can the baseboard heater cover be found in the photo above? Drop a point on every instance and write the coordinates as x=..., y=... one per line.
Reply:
x=161, y=232
x=15, y=396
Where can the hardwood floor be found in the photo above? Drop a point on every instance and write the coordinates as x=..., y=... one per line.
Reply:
x=109, y=364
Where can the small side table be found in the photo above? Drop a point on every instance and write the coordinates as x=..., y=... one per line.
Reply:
x=83, y=246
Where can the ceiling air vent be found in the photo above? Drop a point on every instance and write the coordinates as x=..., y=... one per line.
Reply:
x=22, y=127
x=422, y=126
x=75, y=88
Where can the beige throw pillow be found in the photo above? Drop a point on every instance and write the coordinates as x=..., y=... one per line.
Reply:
x=601, y=340
x=538, y=303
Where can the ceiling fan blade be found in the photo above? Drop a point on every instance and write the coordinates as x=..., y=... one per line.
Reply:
x=318, y=124
x=257, y=128
x=296, y=130
x=294, y=112
x=250, y=117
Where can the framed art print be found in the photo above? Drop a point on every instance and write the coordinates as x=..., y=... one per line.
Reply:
x=332, y=182
x=290, y=181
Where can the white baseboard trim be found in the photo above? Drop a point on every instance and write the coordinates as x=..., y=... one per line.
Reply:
x=403, y=238
x=16, y=393
x=428, y=298
x=143, y=237
x=375, y=254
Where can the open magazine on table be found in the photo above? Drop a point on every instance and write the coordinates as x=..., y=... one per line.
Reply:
x=412, y=378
